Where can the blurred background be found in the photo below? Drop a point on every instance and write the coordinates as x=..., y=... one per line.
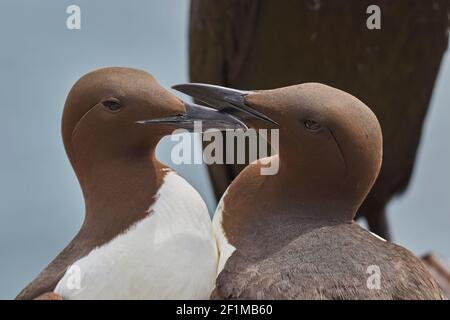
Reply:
x=41, y=206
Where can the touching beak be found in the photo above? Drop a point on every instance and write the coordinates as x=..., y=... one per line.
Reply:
x=223, y=99
x=209, y=118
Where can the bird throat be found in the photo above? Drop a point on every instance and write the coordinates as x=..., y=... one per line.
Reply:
x=289, y=204
x=118, y=193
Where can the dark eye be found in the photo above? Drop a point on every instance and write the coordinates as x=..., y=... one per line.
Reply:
x=312, y=125
x=112, y=104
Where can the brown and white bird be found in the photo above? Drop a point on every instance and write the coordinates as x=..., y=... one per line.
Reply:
x=292, y=235
x=147, y=233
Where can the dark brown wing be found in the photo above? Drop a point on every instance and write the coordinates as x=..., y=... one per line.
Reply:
x=329, y=263
x=260, y=44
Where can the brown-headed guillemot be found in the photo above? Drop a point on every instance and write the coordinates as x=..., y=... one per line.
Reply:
x=147, y=233
x=292, y=235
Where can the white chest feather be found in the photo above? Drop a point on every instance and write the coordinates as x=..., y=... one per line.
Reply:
x=225, y=248
x=171, y=254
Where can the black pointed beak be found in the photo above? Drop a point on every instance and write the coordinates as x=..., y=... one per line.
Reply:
x=209, y=118
x=224, y=99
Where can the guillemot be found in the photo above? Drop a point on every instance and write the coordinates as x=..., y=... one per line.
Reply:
x=292, y=235
x=147, y=233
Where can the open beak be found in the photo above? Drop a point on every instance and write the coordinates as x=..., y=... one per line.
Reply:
x=209, y=118
x=223, y=99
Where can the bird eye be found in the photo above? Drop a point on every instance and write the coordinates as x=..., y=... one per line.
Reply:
x=112, y=104
x=312, y=125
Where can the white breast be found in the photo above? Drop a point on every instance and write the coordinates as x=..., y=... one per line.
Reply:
x=171, y=254
x=225, y=248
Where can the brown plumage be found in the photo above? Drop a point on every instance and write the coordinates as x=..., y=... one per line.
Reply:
x=327, y=262
x=90, y=140
x=291, y=235
x=263, y=44
x=113, y=119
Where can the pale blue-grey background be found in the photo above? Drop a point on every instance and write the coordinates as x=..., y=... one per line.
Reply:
x=41, y=206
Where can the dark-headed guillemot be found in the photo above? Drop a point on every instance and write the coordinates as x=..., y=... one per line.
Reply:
x=147, y=233
x=292, y=235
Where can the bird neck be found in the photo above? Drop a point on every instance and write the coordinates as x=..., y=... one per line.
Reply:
x=316, y=194
x=280, y=207
x=118, y=192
